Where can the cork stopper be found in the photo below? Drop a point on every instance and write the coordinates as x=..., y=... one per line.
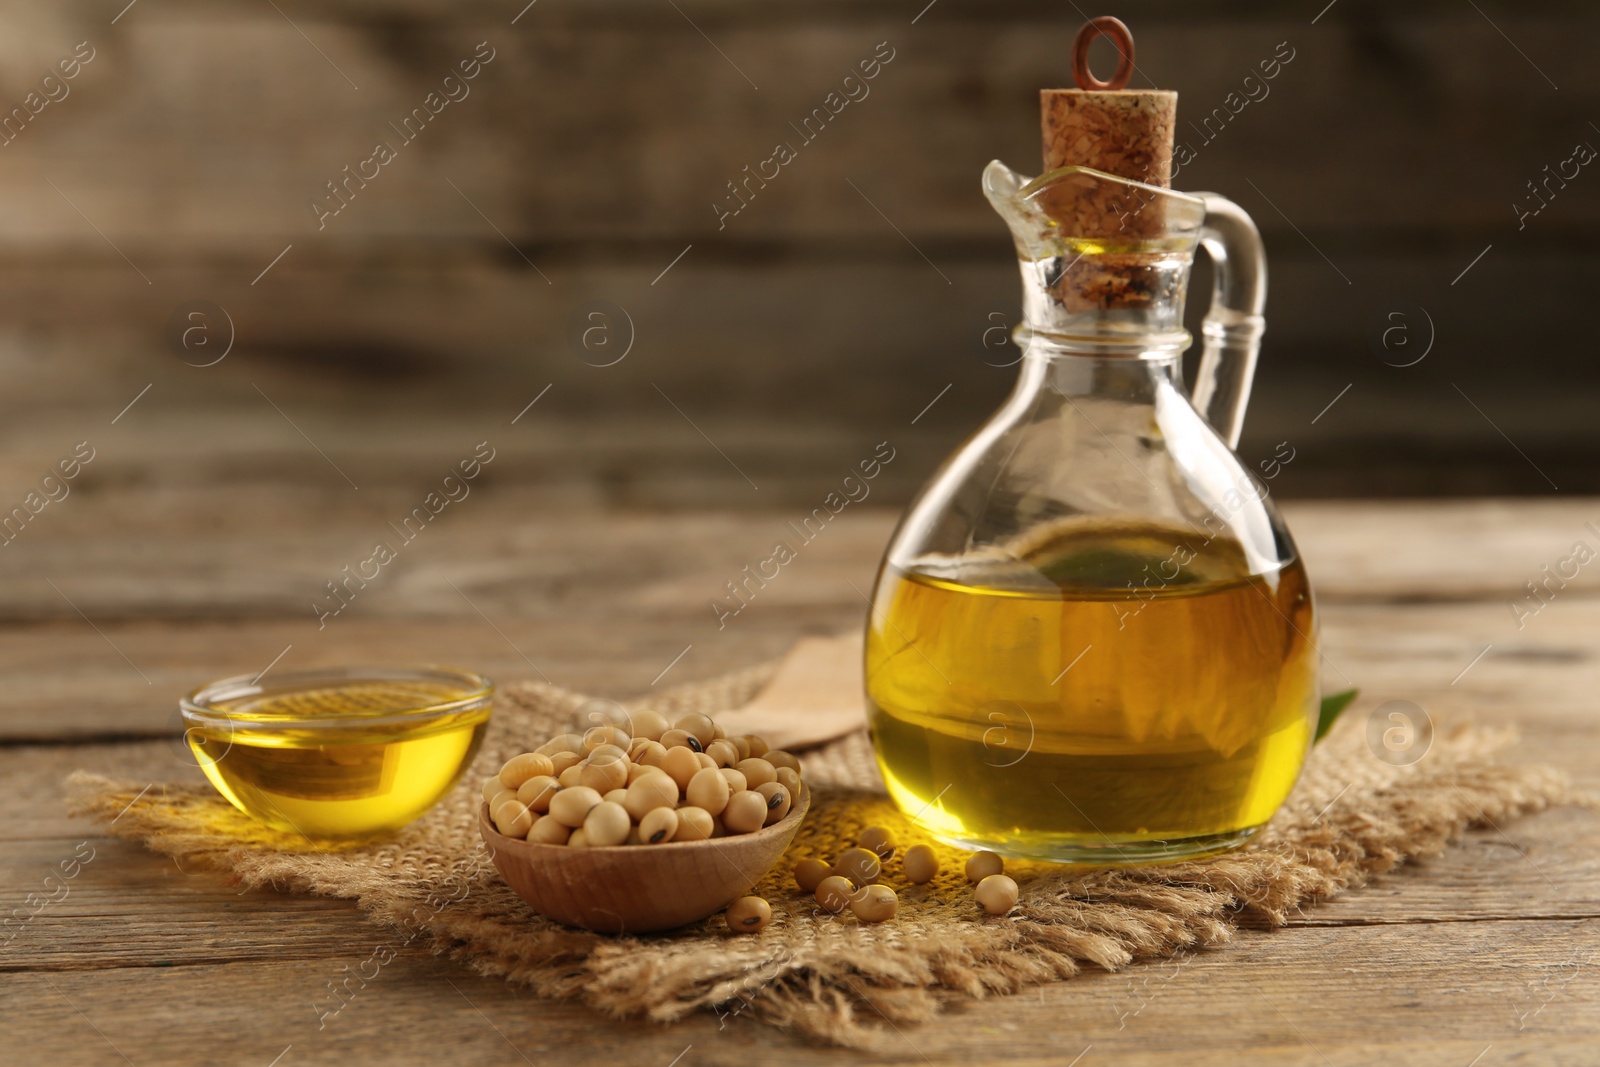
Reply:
x=1124, y=132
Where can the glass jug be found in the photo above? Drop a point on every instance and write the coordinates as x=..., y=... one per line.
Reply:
x=1091, y=637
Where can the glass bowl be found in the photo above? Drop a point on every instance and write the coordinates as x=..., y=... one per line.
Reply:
x=341, y=752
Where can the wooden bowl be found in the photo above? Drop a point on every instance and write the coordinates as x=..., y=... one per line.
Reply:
x=639, y=889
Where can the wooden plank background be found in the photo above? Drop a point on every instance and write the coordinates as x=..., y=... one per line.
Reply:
x=1386, y=156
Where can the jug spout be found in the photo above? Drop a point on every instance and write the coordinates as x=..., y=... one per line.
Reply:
x=1105, y=271
x=1105, y=261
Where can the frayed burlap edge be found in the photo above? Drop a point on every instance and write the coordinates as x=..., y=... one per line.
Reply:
x=1351, y=817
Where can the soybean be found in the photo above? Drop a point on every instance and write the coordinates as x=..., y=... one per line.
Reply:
x=699, y=726
x=603, y=774
x=783, y=759
x=549, y=830
x=658, y=826
x=499, y=799
x=605, y=735
x=997, y=894
x=757, y=771
x=681, y=739
x=519, y=769
x=694, y=824
x=537, y=792
x=513, y=818
x=681, y=765
x=748, y=915
x=982, y=864
x=562, y=760
x=650, y=725
x=878, y=839
x=654, y=790
x=726, y=753
x=920, y=864
x=809, y=873
x=606, y=824
x=778, y=801
x=746, y=812
x=561, y=743
x=608, y=754
x=708, y=789
x=858, y=865
x=875, y=904
x=571, y=806
x=834, y=893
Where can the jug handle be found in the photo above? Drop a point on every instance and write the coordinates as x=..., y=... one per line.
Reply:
x=1231, y=332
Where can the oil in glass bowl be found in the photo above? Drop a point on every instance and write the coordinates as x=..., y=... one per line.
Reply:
x=339, y=754
x=1065, y=706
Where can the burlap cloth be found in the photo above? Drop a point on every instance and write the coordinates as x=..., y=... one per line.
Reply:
x=1350, y=817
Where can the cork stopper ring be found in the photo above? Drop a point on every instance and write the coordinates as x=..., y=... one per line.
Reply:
x=1113, y=30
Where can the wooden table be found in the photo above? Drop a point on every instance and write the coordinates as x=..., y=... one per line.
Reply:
x=1488, y=955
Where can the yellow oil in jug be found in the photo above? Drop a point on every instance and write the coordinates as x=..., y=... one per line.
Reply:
x=1108, y=695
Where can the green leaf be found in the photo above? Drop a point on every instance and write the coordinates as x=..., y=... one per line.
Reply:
x=1331, y=707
